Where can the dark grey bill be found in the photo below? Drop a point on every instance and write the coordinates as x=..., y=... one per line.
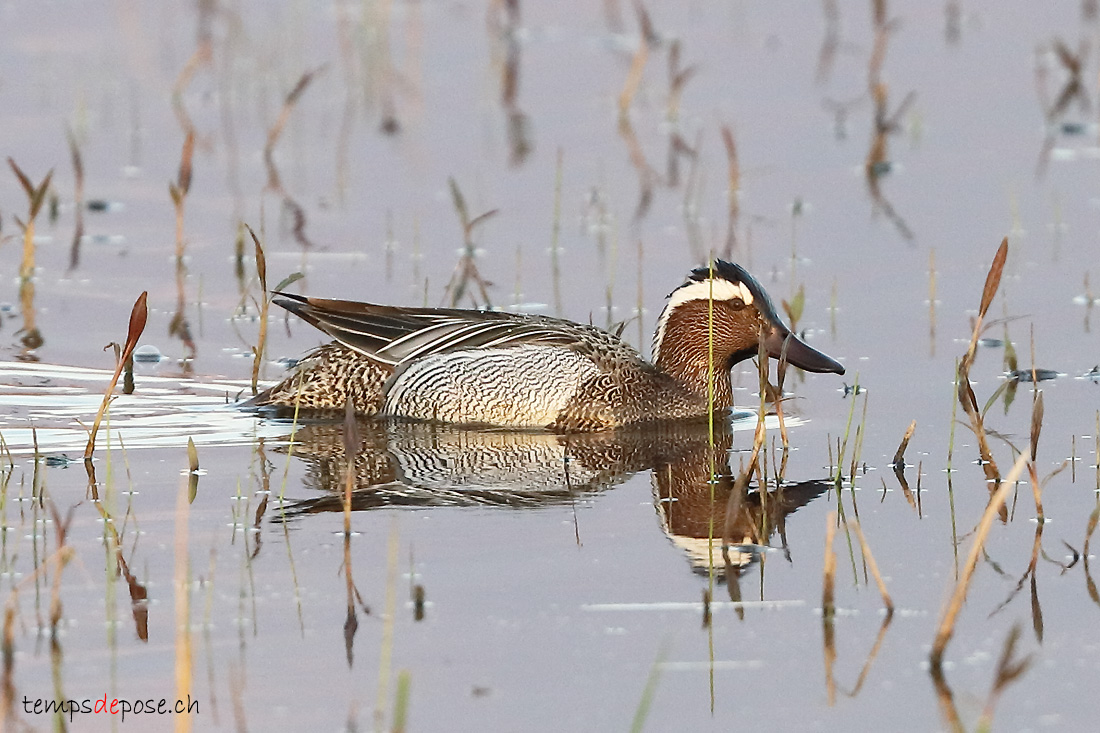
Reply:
x=799, y=353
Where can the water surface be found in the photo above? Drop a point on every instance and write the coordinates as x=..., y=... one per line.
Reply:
x=879, y=162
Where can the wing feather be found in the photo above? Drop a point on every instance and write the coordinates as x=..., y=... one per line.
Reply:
x=392, y=336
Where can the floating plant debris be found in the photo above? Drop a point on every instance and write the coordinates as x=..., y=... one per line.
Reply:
x=853, y=389
x=101, y=239
x=103, y=205
x=881, y=168
x=148, y=354
x=1074, y=128
x=1037, y=375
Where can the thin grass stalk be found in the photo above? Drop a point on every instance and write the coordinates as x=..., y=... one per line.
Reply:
x=265, y=304
x=828, y=573
x=857, y=452
x=842, y=448
x=182, y=585
x=401, y=702
x=780, y=379
x=838, y=480
x=180, y=188
x=954, y=606
x=385, y=654
x=641, y=712
x=733, y=192
x=352, y=445
x=7, y=687
x=932, y=302
x=828, y=607
x=1036, y=427
x=640, y=295
x=555, y=235
x=78, y=197
x=293, y=433
x=760, y=434
x=633, y=80
x=711, y=480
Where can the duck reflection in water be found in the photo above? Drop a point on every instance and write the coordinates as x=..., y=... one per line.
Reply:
x=410, y=464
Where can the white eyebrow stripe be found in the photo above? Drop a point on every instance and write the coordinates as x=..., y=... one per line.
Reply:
x=722, y=290
x=717, y=289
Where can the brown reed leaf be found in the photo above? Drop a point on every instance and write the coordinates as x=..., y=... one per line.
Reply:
x=183, y=178
x=649, y=32
x=35, y=195
x=1036, y=423
x=733, y=167
x=139, y=315
x=459, y=202
x=261, y=339
x=28, y=187
x=899, y=456
x=481, y=218
x=40, y=195
x=993, y=279
x=261, y=262
x=276, y=130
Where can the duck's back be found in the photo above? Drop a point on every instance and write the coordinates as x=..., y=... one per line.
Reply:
x=468, y=367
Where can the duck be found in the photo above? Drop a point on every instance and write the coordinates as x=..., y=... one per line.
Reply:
x=514, y=370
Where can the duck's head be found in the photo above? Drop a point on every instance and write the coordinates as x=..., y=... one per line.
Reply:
x=742, y=314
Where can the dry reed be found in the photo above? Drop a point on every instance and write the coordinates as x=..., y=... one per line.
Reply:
x=265, y=303
x=899, y=455
x=965, y=392
x=138, y=317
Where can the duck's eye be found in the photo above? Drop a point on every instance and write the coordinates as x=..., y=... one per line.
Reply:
x=736, y=303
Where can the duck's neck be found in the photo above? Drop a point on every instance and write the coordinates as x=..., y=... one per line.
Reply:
x=688, y=358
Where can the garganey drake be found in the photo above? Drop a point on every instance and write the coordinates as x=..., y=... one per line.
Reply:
x=510, y=369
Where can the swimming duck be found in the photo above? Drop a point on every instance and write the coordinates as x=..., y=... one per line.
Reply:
x=509, y=369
